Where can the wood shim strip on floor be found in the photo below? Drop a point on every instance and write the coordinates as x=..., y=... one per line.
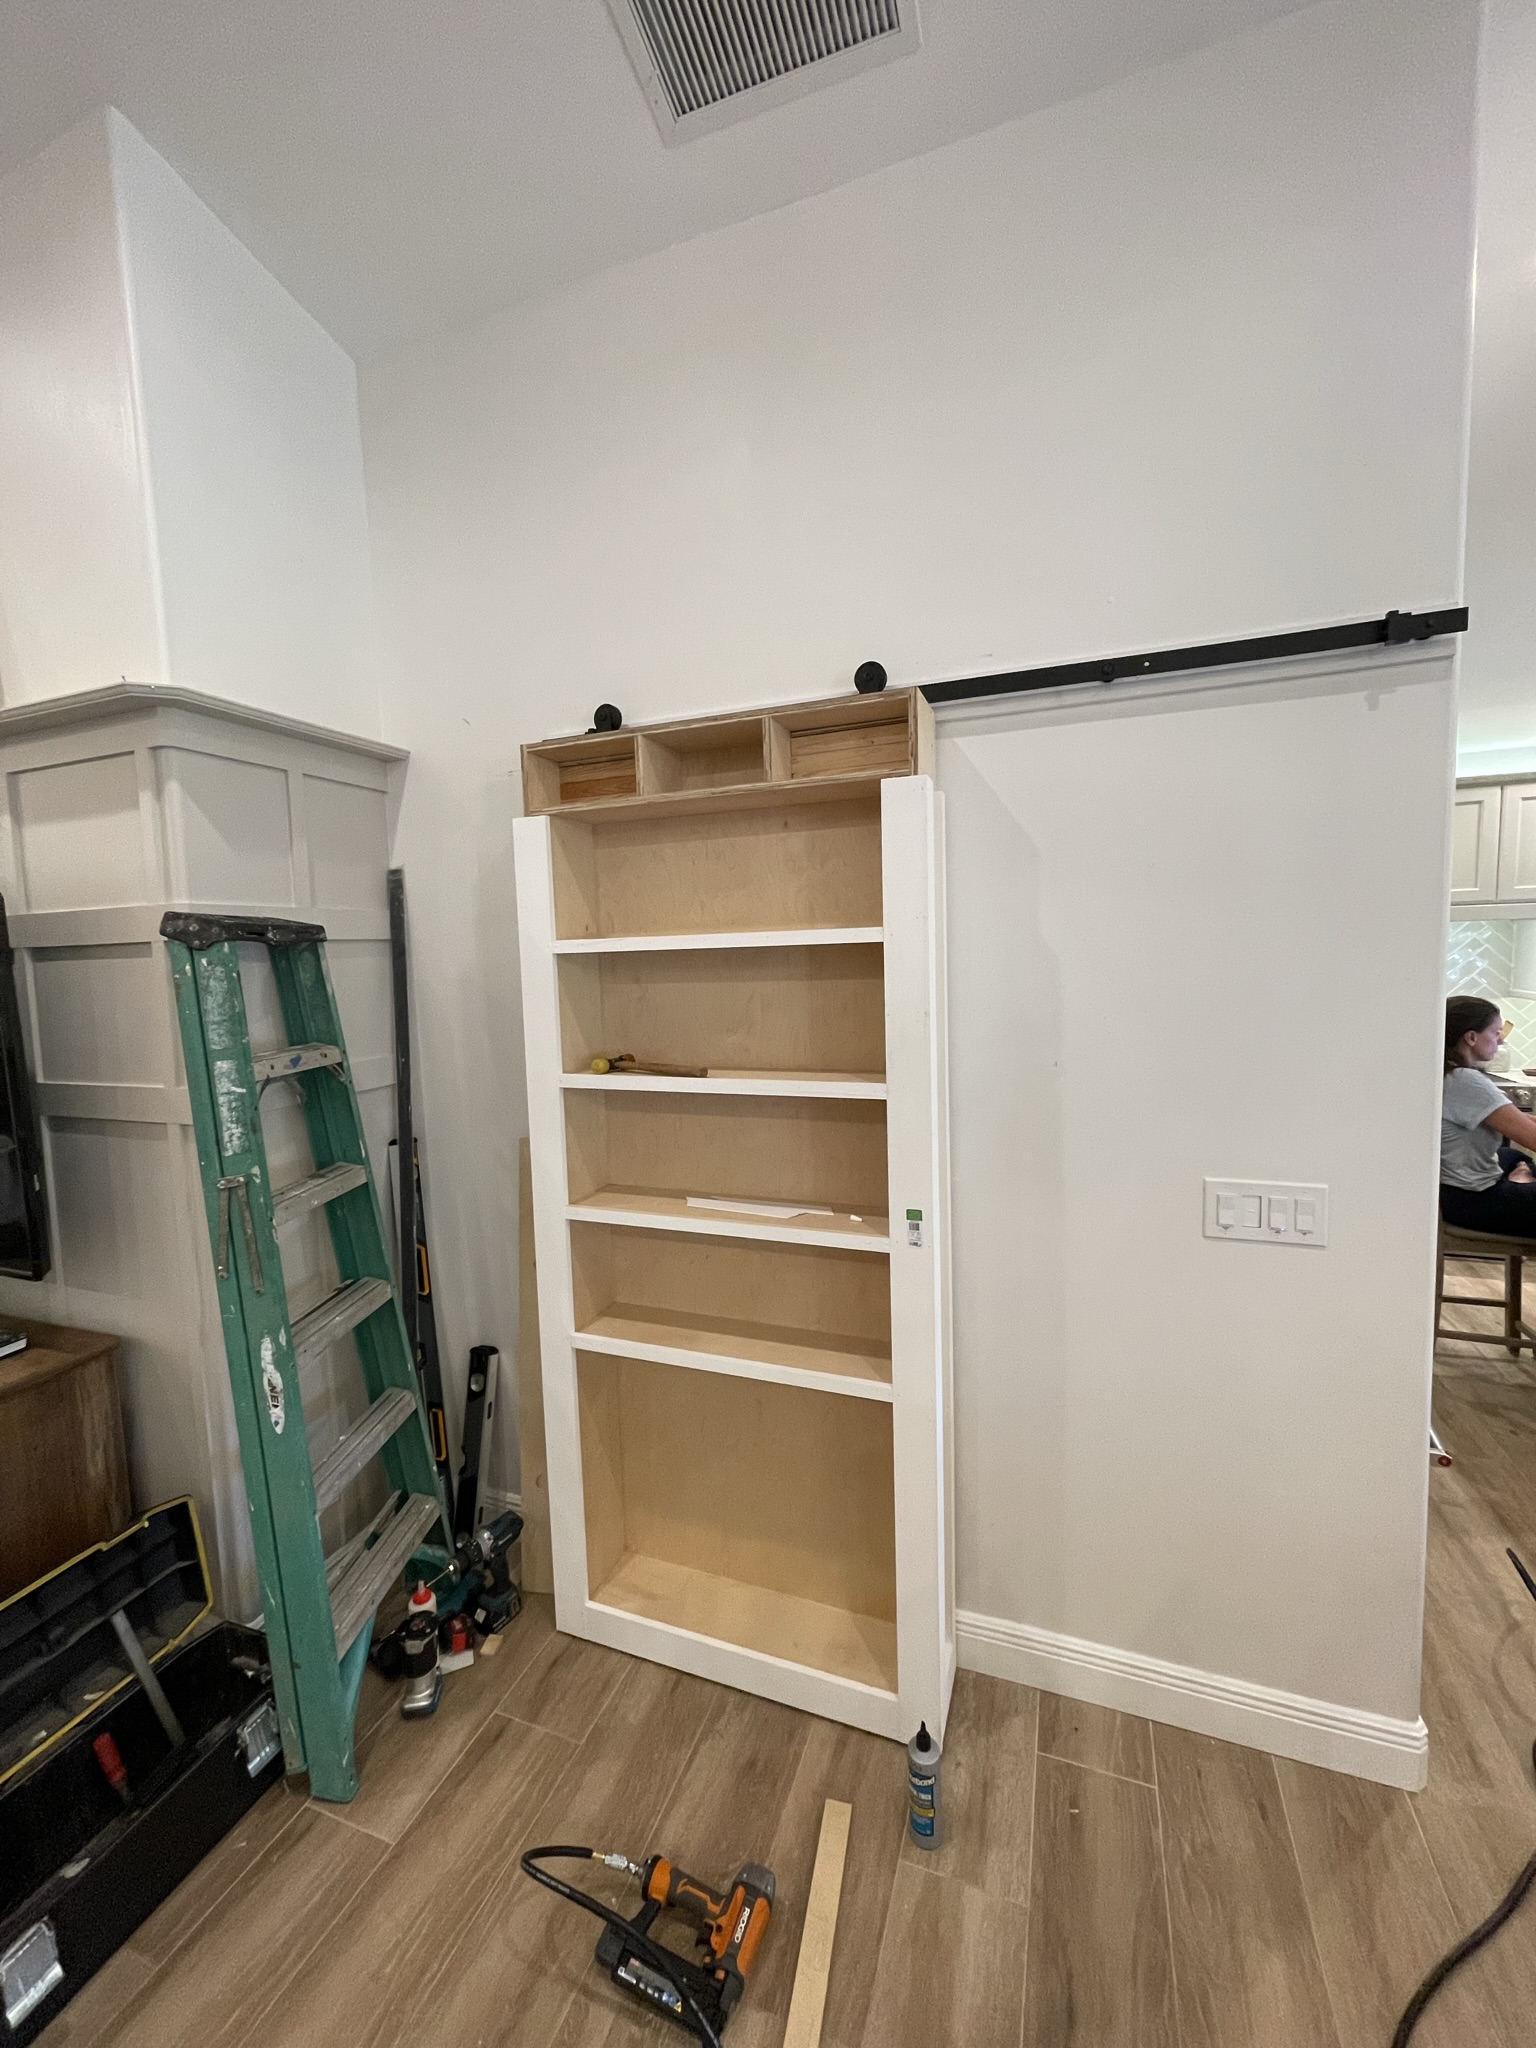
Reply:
x=809, y=1996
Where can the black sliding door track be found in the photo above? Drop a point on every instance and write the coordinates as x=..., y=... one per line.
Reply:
x=1394, y=630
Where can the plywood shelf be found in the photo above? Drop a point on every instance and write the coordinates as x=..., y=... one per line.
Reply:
x=753, y=1513
x=686, y=942
x=751, y=1351
x=638, y=1208
x=732, y=1010
x=819, y=1637
x=741, y=1081
x=783, y=1303
x=703, y=803
x=674, y=1162
x=772, y=865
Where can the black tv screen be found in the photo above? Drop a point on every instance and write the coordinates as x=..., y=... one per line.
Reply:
x=23, y=1202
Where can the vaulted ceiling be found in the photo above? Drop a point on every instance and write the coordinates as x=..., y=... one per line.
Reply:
x=406, y=165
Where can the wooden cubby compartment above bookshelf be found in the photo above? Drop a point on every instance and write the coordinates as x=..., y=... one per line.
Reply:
x=781, y=1311
x=746, y=1512
x=890, y=733
x=723, y=753
x=753, y=1011
x=586, y=771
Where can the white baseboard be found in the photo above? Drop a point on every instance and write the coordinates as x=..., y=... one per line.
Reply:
x=1287, y=1724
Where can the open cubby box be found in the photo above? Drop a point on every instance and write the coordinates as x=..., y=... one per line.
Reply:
x=580, y=771
x=786, y=1308
x=740, y=1010
x=779, y=864
x=828, y=1155
x=885, y=734
x=756, y=1514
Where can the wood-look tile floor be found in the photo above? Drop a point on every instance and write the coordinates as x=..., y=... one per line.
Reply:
x=1105, y=1883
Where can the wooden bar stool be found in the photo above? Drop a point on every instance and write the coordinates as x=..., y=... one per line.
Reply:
x=1511, y=1252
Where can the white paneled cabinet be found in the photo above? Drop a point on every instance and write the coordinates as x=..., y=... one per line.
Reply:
x=115, y=806
x=1475, y=844
x=1493, y=845
x=1516, y=881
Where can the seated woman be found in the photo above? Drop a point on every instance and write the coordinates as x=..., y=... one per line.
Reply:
x=1485, y=1184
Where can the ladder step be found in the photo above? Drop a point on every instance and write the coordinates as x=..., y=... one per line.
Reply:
x=280, y=1060
x=369, y=1577
x=342, y=1311
x=302, y=1195
x=340, y=1558
x=343, y=1555
x=364, y=1440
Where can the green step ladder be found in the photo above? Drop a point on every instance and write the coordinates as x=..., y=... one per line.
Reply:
x=317, y=1610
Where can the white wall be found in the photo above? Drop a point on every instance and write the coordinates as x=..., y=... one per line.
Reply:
x=1180, y=360
x=181, y=481
x=79, y=595
x=1147, y=365
x=255, y=460
x=1497, y=730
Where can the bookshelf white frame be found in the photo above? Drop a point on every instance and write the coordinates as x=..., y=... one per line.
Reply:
x=798, y=1475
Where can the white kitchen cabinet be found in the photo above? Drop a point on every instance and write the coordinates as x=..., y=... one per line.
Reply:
x=1475, y=843
x=1516, y=879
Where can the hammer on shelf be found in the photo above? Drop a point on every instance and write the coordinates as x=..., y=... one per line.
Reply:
x=626, y=1063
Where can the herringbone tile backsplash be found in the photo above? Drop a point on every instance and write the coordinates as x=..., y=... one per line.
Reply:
x=1480, y=961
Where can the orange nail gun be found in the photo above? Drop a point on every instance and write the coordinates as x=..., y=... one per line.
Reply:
x=731, y=1925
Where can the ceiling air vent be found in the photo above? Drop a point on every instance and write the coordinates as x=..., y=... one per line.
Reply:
x=704, y=63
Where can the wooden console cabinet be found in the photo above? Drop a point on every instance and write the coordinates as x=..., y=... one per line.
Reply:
x=63, y=1469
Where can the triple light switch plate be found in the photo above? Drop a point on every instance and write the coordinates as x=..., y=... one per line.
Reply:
x=1267, y=1211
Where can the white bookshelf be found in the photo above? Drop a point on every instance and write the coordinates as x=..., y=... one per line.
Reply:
x=747, y=1416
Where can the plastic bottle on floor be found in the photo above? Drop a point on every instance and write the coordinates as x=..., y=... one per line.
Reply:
x=923, y=1789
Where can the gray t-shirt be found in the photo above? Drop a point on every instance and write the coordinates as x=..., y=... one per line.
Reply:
x=1469, y=1147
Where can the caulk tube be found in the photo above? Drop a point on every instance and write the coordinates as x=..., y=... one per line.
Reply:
x=923, y=1789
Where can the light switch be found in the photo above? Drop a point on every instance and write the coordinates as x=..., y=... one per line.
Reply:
x=1267, y=1212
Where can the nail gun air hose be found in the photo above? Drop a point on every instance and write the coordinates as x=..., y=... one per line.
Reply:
x=656, y=1955
x=1468, y=1946
x=1471, y=1943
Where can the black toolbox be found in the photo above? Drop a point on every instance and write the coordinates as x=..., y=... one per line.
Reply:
x=95, y=1833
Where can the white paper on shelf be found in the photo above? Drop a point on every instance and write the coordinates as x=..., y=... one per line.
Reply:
x=779, y=1211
